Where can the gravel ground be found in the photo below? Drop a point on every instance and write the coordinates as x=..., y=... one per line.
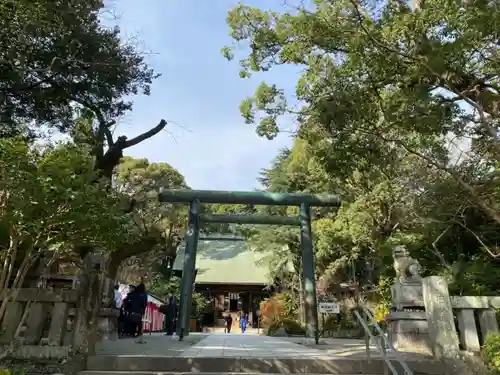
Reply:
x=156, y=344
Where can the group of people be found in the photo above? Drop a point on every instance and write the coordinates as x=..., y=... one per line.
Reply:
x=242, y=322
x=132, y=310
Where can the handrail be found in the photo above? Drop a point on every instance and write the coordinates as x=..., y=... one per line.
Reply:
x=381, y=345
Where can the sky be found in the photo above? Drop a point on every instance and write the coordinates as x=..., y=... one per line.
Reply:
x=198, y=93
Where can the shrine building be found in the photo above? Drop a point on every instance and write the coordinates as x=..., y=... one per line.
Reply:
x=232, y=276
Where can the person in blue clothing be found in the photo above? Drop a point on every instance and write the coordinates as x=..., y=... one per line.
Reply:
x=243, y=323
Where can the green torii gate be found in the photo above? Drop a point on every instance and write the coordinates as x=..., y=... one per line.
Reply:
x=197, y=197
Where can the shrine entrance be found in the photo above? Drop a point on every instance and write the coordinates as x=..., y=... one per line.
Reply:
x=197, y=197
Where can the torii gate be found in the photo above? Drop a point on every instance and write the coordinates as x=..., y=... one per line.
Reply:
x=197, y=197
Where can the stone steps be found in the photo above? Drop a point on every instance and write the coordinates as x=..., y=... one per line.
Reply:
x=149, y=365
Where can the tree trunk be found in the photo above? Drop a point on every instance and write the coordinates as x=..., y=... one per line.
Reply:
x=113, y=266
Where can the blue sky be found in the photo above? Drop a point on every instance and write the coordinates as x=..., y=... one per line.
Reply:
x=199, y=91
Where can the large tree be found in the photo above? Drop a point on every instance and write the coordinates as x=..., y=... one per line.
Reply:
x=48, y=205
x=379, y=80
x=60, y=63
x=56, y=57
x=156, y=229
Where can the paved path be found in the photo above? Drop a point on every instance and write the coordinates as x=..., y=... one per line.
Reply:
x=237, y=345
x=250, y=346
x=156, y=344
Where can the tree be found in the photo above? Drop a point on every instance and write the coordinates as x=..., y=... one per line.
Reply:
x=82, y=65
x=162, y=285
x=48, y=205
x=156, y=229
x=381, y=81
x=83, y=71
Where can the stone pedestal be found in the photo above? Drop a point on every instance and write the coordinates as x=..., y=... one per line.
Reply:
x=108, y=324
x=409, y=331
x=407, y=295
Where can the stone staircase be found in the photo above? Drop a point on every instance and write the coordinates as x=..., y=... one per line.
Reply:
x=153, y=365
x=245, y=355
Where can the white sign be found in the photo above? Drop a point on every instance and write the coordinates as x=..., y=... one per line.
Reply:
x=328, y=308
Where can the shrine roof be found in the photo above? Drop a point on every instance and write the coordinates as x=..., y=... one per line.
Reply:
x=227, y=262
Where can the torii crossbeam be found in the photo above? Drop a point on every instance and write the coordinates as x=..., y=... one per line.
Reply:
x=197, y=197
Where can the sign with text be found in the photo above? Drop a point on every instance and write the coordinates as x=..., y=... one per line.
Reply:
x=328, y=308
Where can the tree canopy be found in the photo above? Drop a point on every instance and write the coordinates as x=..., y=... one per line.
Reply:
x=385, y=94
x=64, y=70
x=57, y=58
x=156, y=228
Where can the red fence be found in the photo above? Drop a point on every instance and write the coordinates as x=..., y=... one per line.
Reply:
x=153, y=320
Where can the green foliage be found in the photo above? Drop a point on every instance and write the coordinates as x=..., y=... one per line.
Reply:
x=50, y=205
x=329, y=326
x=289, y=304
x=156, y=228
x=199, y=305
x=162, y=287
x=384, y=289
x=14, y=369
x=48, y=198
x=491, y=353
x=292, y=327
x=82, y=65
x=382, y=91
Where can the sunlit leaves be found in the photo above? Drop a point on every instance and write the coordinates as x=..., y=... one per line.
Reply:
x=161, y=224
x=48, y=197
x=381, y=91
x=56, y=57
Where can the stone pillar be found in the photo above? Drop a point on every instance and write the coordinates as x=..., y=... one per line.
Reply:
x=108, y=320
x=488, y=323
x=469, y=338
x=439, y=315
x=87, y=319
x=108, y=324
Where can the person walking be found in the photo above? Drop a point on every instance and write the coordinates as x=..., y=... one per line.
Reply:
x=243, y=323
x=169, y=311
x=228, y=322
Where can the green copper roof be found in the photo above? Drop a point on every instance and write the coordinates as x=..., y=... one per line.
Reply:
x=227, y=262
